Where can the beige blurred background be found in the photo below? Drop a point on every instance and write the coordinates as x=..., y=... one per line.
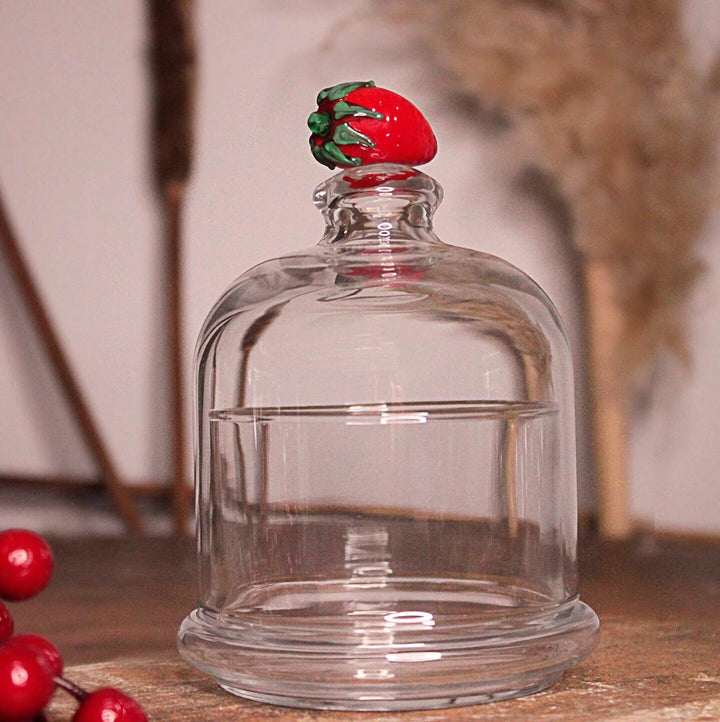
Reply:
x=74, y=170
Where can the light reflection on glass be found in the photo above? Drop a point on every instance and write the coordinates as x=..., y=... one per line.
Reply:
x=423, y=618
x=413, y=656
x=373, y=674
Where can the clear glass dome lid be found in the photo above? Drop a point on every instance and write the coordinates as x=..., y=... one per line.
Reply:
x=381, y=311
x=385, y=468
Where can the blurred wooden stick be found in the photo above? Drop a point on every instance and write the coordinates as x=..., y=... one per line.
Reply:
x=172, y=61
x=610, y=400
x=69, y=385
x=510, y=474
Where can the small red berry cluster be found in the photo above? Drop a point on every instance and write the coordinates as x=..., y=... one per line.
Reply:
x=30, y=666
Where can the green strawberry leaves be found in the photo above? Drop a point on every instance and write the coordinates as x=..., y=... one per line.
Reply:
x=336, y=92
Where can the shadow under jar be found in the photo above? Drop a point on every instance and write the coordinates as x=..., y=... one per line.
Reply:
x=385, y=466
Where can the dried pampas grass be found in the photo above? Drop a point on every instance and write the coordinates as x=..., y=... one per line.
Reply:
x=605, y=100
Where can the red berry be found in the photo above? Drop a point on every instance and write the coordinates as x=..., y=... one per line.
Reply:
x=360, y=124
x=41, y=646
x=26, y=683
x=109, y=705
x=6, y=623
x=26, y=564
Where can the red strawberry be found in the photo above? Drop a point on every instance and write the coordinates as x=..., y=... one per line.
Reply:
x=359, y=124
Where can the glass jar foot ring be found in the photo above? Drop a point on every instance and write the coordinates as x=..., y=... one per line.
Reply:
x=390, y=661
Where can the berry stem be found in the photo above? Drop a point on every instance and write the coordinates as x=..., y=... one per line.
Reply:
x=71, y=688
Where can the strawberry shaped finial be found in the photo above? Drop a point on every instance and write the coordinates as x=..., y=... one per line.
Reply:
x=359, y=124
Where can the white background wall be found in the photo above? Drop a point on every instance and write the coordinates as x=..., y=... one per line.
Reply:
x=74, y=174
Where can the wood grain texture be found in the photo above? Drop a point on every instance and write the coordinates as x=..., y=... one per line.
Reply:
x=641, y=670
x=115, y=605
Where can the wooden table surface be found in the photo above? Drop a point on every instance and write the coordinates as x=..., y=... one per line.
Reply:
x=114, y=607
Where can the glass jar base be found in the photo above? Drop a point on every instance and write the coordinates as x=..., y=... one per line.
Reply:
x=394, y=703
x=375, y=659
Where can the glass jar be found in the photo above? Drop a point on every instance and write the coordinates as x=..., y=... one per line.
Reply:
x=385, y=466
